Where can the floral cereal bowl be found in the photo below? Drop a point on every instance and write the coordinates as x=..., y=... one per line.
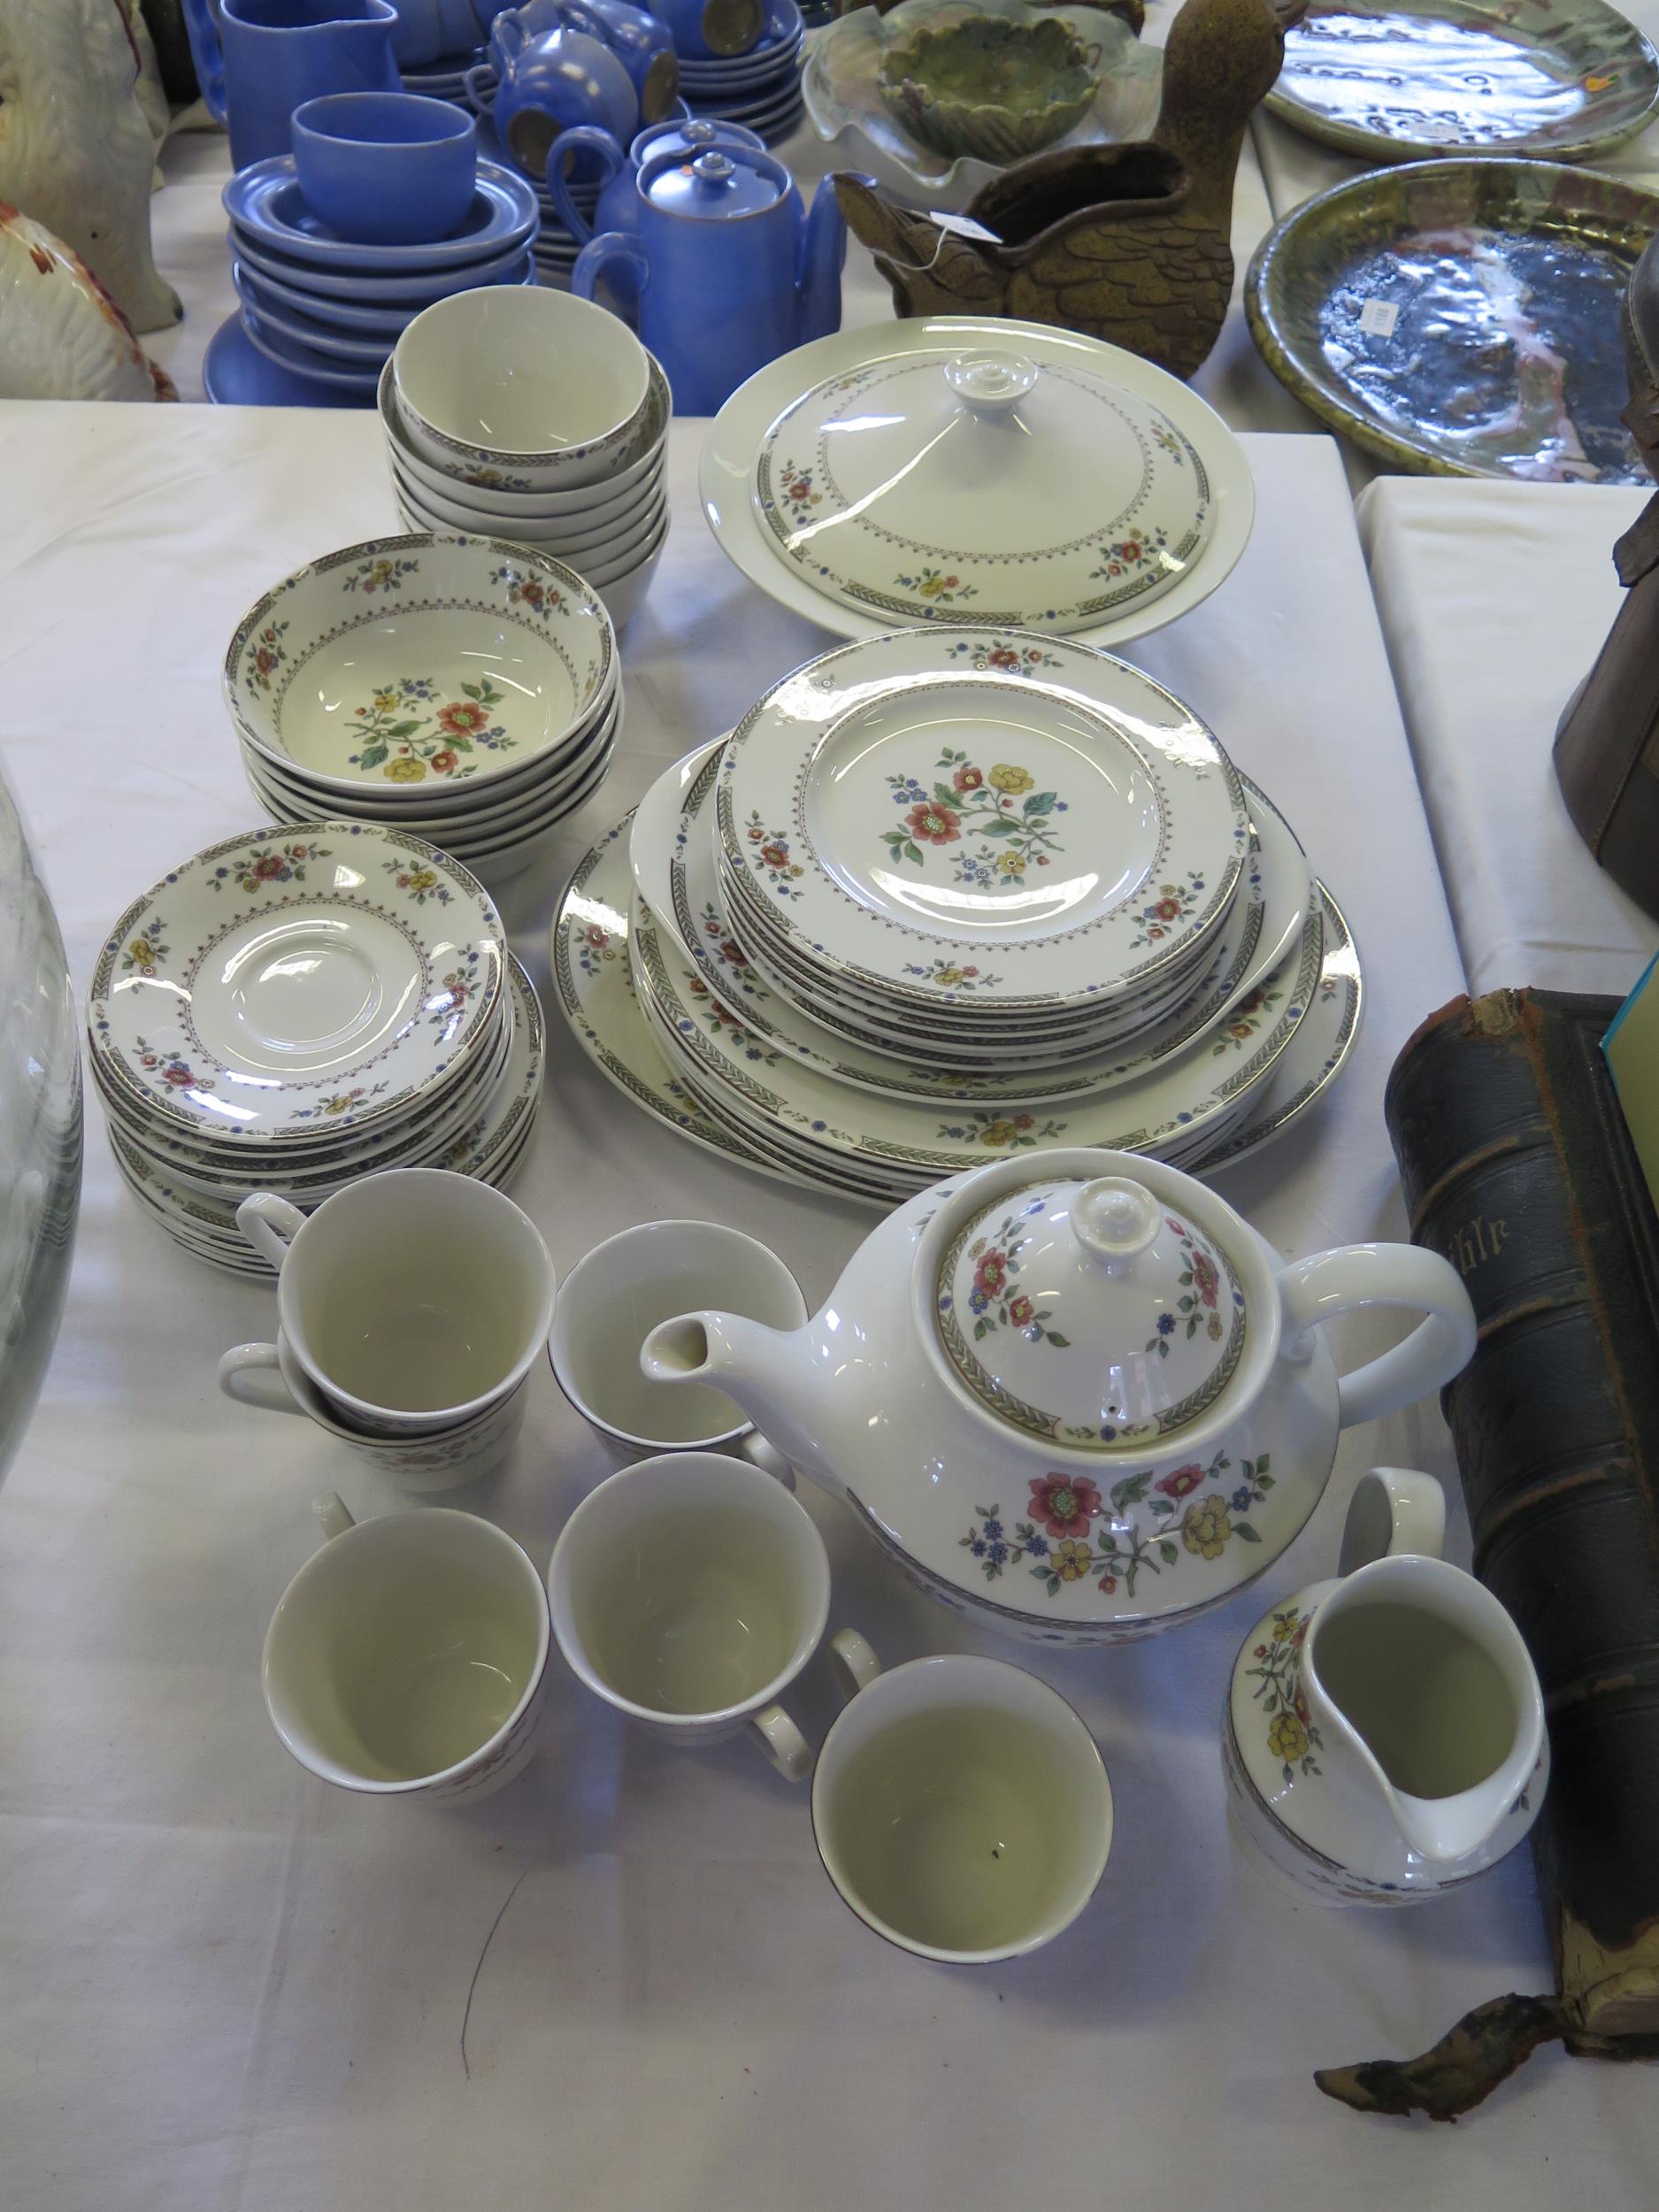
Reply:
x=515, y=386
x=403, y=664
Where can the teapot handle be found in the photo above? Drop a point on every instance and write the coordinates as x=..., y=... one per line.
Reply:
x=582, y=137
x=1326, y=1284
x=610, y=245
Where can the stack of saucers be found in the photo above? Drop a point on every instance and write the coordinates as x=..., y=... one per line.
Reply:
x=295, y=1007
x=761, y=88
x=444, y=79
x=322, y=309
x=951, y=893
x=534, y=416
x=463, y=688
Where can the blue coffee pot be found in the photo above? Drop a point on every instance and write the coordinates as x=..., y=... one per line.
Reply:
x=585, y=153
x=731, y=272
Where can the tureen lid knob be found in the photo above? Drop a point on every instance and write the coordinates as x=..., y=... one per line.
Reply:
x=1115, y=1220
x=990, y=380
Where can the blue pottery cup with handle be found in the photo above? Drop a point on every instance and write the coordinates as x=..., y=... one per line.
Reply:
x=712, y=30
x=729, y=272
x=264, y=57
x=554, y=84
x=583, y=152
x=386, y=168
x=643, y=46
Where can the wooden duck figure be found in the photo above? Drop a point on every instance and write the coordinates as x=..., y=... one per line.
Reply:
x=1130, y=244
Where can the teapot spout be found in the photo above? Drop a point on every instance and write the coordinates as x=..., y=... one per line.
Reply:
x=823, y=256
x=764, y=1371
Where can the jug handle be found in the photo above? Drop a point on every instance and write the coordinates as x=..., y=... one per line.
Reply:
x=1393, y=1509
x=203, y=33
x=591, y=262
x=1326, y=1284
x=581, y=137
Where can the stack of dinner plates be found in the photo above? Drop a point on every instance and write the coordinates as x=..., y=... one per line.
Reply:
x=760, y=88
x=947, y=894
x=466, y=689
x=295, y=1007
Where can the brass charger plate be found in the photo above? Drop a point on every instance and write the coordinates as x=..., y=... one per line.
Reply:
x=1461, y=317
x=1405, y=79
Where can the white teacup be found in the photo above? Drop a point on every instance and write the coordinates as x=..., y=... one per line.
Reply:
x=688, y=1592
x=408, y=1657
x=960, y=1807
x=412, y=1300
x=613, y=1298
x=438, y=1459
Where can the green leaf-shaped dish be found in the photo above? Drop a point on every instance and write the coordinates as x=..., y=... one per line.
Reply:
x=989, y=87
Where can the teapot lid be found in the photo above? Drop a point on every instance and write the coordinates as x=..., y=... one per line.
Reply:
x=1042, y=493
x=717, y=185
x=1089, y=1312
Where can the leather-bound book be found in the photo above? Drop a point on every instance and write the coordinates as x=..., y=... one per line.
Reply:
x=1518, y=1165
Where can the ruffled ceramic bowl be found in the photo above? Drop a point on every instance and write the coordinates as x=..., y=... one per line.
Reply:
x=991, y=88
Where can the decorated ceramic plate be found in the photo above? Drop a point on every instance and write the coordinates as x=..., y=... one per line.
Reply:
x=276, y=975
x=945, y=542
x=1461, y=317
x=1405, y=80
x=931, y=809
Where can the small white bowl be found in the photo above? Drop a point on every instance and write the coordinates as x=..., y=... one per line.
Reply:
x=626, y=559
x=574, y=532
x=626, y=596
x=534, y=389
x=494, y=502
x=402, y=662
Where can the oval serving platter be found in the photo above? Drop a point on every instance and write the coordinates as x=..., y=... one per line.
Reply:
x=1461, y=317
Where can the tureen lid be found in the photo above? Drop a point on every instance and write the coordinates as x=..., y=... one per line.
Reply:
x=1089, y=1312
x=986, y=486
x=715, y=185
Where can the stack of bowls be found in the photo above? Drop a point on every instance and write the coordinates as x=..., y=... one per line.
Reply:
x=534, y=416
x=760, y=88
x=382, y=207
x=465, y=689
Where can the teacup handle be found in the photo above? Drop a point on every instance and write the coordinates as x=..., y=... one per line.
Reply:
x=1326, y=1284
x=246, y=1359
x=1393, y=1509
x=331, y=1512
x=783, y=1743
x=853, y=1662
x=766, y=1457
x=270, y=1224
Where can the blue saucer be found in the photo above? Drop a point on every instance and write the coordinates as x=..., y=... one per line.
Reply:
x=235, y=374
x=347, y=350
x=385, y=292
x=288, y=292
x=266, y=203
x=318, y=368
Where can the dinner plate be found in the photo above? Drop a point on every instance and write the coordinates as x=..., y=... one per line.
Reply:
x=907, y=807
x=736, y=438
x=271, y=977
x=1461, y=317
x=265, y=202
x=1408, y=80
x=235, y=373
x=407, y=291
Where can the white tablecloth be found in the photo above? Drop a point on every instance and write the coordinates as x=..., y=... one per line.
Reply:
x=1494, y=599
x=229, y=1989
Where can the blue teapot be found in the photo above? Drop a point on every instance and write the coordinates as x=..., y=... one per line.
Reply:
x=643, y=46
x=549, y=85
x=583, y=153
x=730, y=270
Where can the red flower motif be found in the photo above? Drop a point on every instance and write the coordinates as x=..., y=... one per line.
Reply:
x=533, y=594
x=775, y=856
x=966, y=780
x=934, y=824
x=732, y=953
x=798, y=488
x=463, y=717
x=1025, y=1121
x=594, y=937
x=1019, y=1310
x=1260, y=1652
x=991, y=1275
x=1064, y=1503
x=1003, y=657
x=268, y=867
x=1205, y=1279
x=1182, y=1482
x=755, y=835
x=1167, y=910
x=1132, y=549
x=970, y=971
x=265, y=659
x=1108, y=1583
x=441, y=763
x=1299, y=1704
x=178, y=1075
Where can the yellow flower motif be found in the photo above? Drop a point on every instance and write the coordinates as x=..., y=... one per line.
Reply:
x=948, y=978
x=1012, y=864
x=936, y=587
x=386, y=701
x=380, y=573
x=1284, y=1625
x=422, y=879
x=995, y=1133
x=142, y=953
x=337, y=1104
x=1206, y=1527
x=405, y=771
x=1071, y=1560
x=1011, y=781
x=1287, y=1737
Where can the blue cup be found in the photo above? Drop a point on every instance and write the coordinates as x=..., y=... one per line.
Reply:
x=386, y=168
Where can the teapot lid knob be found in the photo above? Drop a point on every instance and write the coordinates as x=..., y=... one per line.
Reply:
x=714, y=169
x=1115, y=1220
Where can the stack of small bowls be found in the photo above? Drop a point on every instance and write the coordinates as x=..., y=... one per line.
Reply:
x=534, y=416
x=759, y=88
x=465, y=689
x=382, y=207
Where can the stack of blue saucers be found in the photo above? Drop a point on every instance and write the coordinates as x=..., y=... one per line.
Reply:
x=319, y=316
x=444, y=79
x=761, y=88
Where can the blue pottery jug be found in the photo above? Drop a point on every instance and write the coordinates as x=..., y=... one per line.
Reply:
x=582, y=152
x=730, y=271
x=552, y=84
x=643, y=46
x=265, y=57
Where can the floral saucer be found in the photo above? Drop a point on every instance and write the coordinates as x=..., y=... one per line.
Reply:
x=326, y=975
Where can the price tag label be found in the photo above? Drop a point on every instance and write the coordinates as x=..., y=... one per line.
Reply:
x=964, y=227
x=1378, y=318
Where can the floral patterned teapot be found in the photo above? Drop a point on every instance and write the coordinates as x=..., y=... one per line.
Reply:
x=1078, y=1396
